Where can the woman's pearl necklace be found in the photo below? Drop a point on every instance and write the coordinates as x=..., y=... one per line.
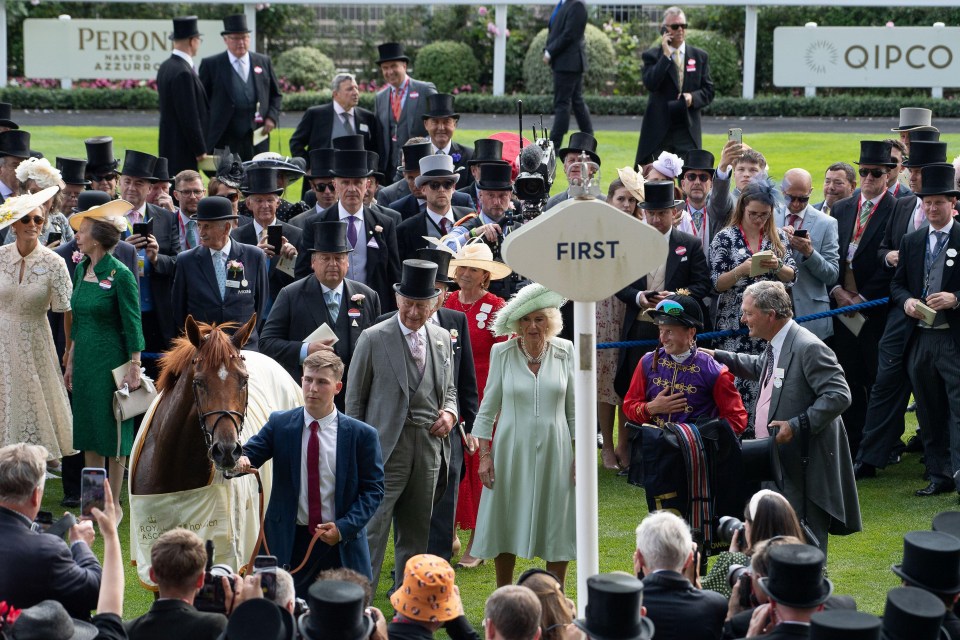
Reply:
x=531, y=359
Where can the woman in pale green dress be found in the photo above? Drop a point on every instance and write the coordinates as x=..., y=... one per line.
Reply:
x=527, y=507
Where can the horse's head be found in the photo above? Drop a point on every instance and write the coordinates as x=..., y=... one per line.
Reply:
x=220, y=388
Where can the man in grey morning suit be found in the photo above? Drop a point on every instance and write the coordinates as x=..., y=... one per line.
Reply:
x=402, y=382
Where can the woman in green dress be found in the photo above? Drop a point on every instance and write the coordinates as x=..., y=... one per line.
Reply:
x=527, y=506
x=105, y=334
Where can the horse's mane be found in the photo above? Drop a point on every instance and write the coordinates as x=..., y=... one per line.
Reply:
x=217, y=347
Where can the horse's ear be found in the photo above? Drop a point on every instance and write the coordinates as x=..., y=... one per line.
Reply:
x=193, y=332
x=242, y=334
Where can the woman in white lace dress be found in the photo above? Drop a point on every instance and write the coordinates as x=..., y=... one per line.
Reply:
x=33, y=280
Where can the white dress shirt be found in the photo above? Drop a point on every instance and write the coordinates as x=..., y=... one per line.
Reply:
x=184, y=56
x=328, y=467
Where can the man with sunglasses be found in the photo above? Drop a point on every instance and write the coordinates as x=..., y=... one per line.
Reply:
x=815, y=245
x=677, y=76
x=861, y=222
x=437, y=181
x=898, y=151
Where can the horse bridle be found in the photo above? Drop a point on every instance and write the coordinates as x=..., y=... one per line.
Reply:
x=235, y=416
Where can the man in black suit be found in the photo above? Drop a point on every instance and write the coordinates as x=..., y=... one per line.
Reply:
x=890, y=394
x=326, y=296
x=485, y=151
x=926, y=274
x=184, y=111
x=679, y=610
x=262, y=195
x=686, y=268
x=566, y=53
x=861, y=222
x=404, y=196
x=443, y=519
x=177, y=563
x=101, y=165
x=73, y=173
x=37, y=566
x=898, y=151
x=440, y=121
x=220, y=280
x=437, y=181
x=374, y=260
x=157, y=251
x=243, y=91
x=322, y=191
x=340, y=117
x=677, y=76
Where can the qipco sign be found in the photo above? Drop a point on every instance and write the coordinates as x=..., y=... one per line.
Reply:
x=866, y=56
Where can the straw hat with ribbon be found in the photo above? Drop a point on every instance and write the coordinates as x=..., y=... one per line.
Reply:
x=478, y=254
x=15, y=208
x=109, y=212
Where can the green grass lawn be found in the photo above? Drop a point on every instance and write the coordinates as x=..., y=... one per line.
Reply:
x=859, y=564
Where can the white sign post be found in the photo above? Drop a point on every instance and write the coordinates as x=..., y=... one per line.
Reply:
x=585, y=250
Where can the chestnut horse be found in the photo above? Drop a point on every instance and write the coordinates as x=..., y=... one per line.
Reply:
x=196, y=421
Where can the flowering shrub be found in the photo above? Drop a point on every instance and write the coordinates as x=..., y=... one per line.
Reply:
x=99, y=83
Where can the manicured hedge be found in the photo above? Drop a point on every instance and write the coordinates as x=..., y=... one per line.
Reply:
x=765, y=106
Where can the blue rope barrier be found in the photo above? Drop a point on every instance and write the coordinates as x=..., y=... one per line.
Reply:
x=715, y=335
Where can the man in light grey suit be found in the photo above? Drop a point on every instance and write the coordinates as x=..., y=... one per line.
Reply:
x=803, y=392
x=399, y=106
x=815, y=246
x=402, y=382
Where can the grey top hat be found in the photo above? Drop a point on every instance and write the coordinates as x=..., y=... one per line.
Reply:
x=435, y=166
x=913, y=118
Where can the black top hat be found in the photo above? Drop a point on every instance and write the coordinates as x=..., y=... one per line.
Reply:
x=352, y=142
x=874, y=152
x=336, y=611
x=6, y=112
x=100, y=155
x=440, y=105
x=613, y=609
x=258, y=619
x=412, y=153
x=213, y=208
x=931, y=561
x=137, y=164
x=350, y=164
x=923, y=135
x=260, y=180
x=924, y=153
x=373, y=163
x=87, y=200
x=442, y=260
x=495, y=177
x=698, y=159
x=161, y=171
x=581, y=141
x=185, y=28
x=760, y=461
x=487, y=150
x=947, y=522
x=659, y=194
x=912, y=614
x=843, y=624
x=16, y=143
x=229, y=167
x=678, y=309
x=936, y=180
x=418, y=280
x=391, y=51
x=236, y=23
x=321, y=163
x=49, y=620
x=330, y=237
x=72, y=170
x=795, y=576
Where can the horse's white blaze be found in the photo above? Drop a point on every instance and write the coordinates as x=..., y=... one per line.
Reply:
x=223, y=373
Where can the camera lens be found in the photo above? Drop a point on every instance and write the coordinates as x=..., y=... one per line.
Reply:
x=727, y=528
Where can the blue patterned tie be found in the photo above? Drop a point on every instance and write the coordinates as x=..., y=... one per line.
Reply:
x=221, y=269
x=333, y=304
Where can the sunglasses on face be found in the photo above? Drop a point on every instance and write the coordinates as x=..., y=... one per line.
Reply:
x=876, y=173
x=27, y=219
x=679, y=25
x=696, y=177
x=436, y=185
x=232, y=197
x=800, y=199
x=324, y=186
x=104, y=178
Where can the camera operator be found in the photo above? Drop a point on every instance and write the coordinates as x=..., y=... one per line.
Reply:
x=678, y=609
x=178, y=561
x=39, y=566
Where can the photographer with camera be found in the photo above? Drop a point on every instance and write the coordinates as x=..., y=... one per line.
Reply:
x=178, y=562
x=678, y=609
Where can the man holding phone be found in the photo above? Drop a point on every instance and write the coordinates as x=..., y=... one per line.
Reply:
x=678, y=78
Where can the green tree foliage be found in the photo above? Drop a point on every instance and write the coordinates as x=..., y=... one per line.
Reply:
x=449, y=65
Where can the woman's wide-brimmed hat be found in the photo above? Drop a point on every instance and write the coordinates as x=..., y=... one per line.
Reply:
x=530, y=298
x=428, y=593
x=96, y=207
x=477, y=254
x=15, y=208
x=289, y=168
x=633, y=182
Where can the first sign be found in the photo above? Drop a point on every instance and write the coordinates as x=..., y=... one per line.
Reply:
x=585, y=250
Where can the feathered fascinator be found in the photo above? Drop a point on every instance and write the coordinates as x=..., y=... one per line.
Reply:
x=530, y=298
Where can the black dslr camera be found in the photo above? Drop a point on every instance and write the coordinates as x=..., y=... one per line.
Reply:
x=211, y=597
x=740, y=573
x=728, y=528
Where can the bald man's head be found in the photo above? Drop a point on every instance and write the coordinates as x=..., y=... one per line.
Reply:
x=796, y=186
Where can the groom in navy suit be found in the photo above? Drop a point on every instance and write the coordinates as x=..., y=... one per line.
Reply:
x=327, y=478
